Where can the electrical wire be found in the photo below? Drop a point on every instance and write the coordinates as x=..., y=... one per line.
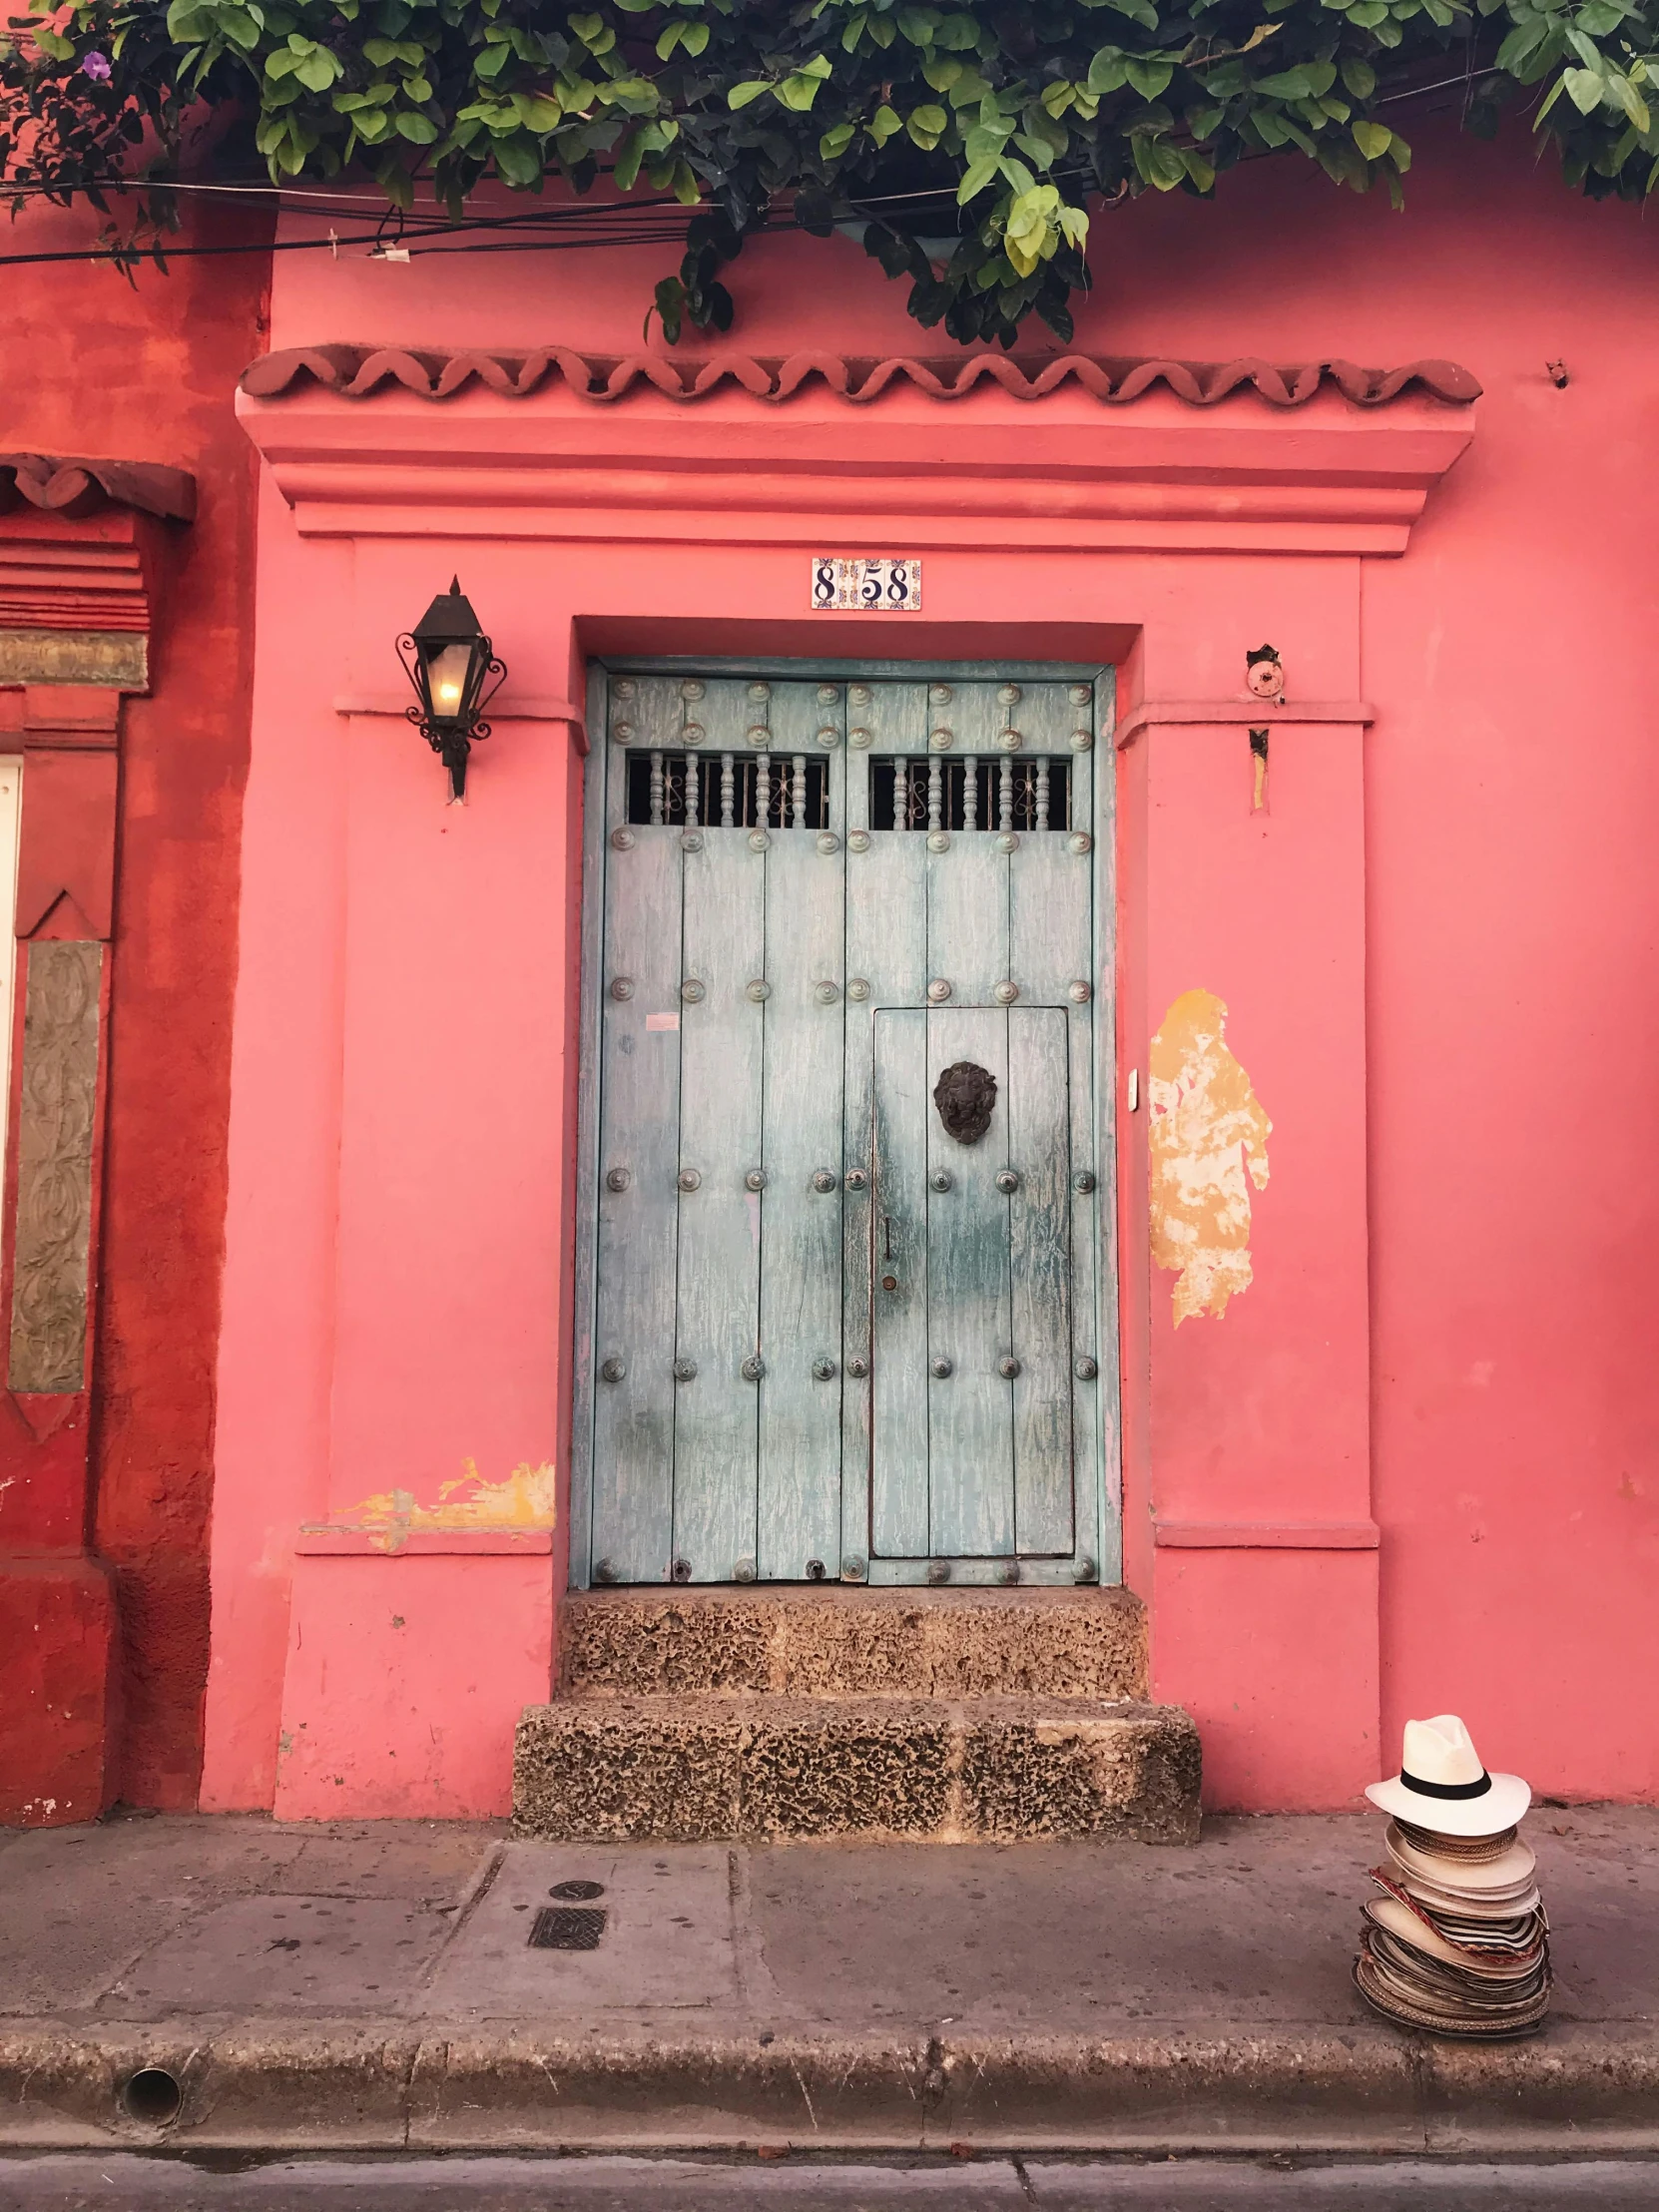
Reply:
x=616, y=223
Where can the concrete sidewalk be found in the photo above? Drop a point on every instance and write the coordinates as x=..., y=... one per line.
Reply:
x=374, y=1987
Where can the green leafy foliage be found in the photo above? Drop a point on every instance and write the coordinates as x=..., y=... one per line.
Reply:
x=966, y=145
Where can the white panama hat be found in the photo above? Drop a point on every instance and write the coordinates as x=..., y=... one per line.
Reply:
x=1443, y=1786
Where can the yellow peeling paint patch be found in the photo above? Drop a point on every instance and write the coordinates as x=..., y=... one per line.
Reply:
x=1207, y=1131
x=523, y=1501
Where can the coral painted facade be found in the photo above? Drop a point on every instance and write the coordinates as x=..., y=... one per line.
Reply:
x=1378, y=1425
x=130, y=822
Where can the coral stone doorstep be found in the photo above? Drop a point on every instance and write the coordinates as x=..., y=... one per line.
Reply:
x=916, y=1714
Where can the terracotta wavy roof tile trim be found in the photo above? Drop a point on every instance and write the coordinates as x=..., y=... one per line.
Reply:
x=360, y=371
x=73, y=486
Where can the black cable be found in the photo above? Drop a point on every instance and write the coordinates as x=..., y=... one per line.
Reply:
x=125, y=256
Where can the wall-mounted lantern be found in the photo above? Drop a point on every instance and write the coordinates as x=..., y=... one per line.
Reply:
x=449, y=660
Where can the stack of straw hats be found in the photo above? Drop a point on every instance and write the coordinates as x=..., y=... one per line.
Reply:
x=1457, y=1940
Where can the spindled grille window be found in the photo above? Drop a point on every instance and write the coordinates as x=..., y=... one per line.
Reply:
x=729, y=790
x=929, y=791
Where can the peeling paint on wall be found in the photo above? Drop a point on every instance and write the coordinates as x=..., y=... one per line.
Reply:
x=524, y=1500
x=1206, y=1130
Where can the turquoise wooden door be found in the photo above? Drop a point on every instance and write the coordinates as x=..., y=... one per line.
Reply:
x=836, y=1333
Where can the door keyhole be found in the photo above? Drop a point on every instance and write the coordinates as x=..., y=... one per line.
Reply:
x=889, y=1282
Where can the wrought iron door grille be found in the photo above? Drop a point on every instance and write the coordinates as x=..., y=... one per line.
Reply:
x=926, y=791
x=729, y=790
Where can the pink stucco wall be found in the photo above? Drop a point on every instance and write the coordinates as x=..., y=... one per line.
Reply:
x=1437, y=953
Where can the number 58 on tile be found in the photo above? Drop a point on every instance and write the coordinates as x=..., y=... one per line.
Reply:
x=873, y=587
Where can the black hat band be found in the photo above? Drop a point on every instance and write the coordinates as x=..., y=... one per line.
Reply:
x=1447, y=1789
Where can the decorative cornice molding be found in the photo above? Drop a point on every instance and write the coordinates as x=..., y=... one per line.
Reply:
x=1032, y=461
x=361, y=372
x=76, y=486
x=77, y=596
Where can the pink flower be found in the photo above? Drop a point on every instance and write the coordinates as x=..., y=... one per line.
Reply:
x=96, y=67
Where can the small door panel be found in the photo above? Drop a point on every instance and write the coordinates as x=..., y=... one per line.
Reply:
x=971, y=1435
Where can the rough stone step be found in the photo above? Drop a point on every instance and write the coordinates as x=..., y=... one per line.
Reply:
x=686, y=1769
x=847, y=1642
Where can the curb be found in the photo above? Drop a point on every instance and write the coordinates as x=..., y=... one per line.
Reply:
x=345, y=2086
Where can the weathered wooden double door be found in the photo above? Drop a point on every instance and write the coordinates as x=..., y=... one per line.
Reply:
x=843, y=1281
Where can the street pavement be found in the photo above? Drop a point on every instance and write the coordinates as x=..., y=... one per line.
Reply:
x=120, y=2183
x=234, y=1985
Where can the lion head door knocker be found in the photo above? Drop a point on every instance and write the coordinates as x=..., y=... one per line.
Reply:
x=966, y=1098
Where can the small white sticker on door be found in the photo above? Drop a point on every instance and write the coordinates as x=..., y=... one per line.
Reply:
x=662, y=1021
x=863, y=586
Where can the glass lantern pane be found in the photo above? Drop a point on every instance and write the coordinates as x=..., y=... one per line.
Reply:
x=447, y=675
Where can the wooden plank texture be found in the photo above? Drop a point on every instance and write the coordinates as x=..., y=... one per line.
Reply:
x=884, y=1488
x=967, y=883
x=1039, y=1253
x=899, y=1239
x=1051, y=916
x=799, y=1506
x=716, y=1408
x=970, y=1409
x=635, y=1241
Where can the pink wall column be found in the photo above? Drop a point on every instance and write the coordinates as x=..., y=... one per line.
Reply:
x=1248, y=1463
x=271, y=1438
x=405, y=1674
x=393, y=1390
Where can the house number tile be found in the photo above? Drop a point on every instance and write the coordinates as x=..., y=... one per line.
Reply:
x=862, y=585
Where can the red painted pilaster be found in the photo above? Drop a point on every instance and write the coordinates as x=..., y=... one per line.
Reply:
x=58, y=1625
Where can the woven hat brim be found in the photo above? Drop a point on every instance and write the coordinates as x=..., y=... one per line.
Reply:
x=1410, y=2016
x=1495, y=1808
x=1500, y=1966
x=1512, y=1872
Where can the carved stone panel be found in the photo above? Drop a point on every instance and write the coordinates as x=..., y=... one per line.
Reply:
x=54, y=1167
x=117, y=658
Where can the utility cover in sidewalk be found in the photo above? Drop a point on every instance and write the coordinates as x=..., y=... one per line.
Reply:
x=666, y=1943
x=568, y=1927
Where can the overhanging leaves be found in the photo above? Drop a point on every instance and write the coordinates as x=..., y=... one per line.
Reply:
x=968, y=141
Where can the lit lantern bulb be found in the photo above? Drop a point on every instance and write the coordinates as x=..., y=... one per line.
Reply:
x=449, y=677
